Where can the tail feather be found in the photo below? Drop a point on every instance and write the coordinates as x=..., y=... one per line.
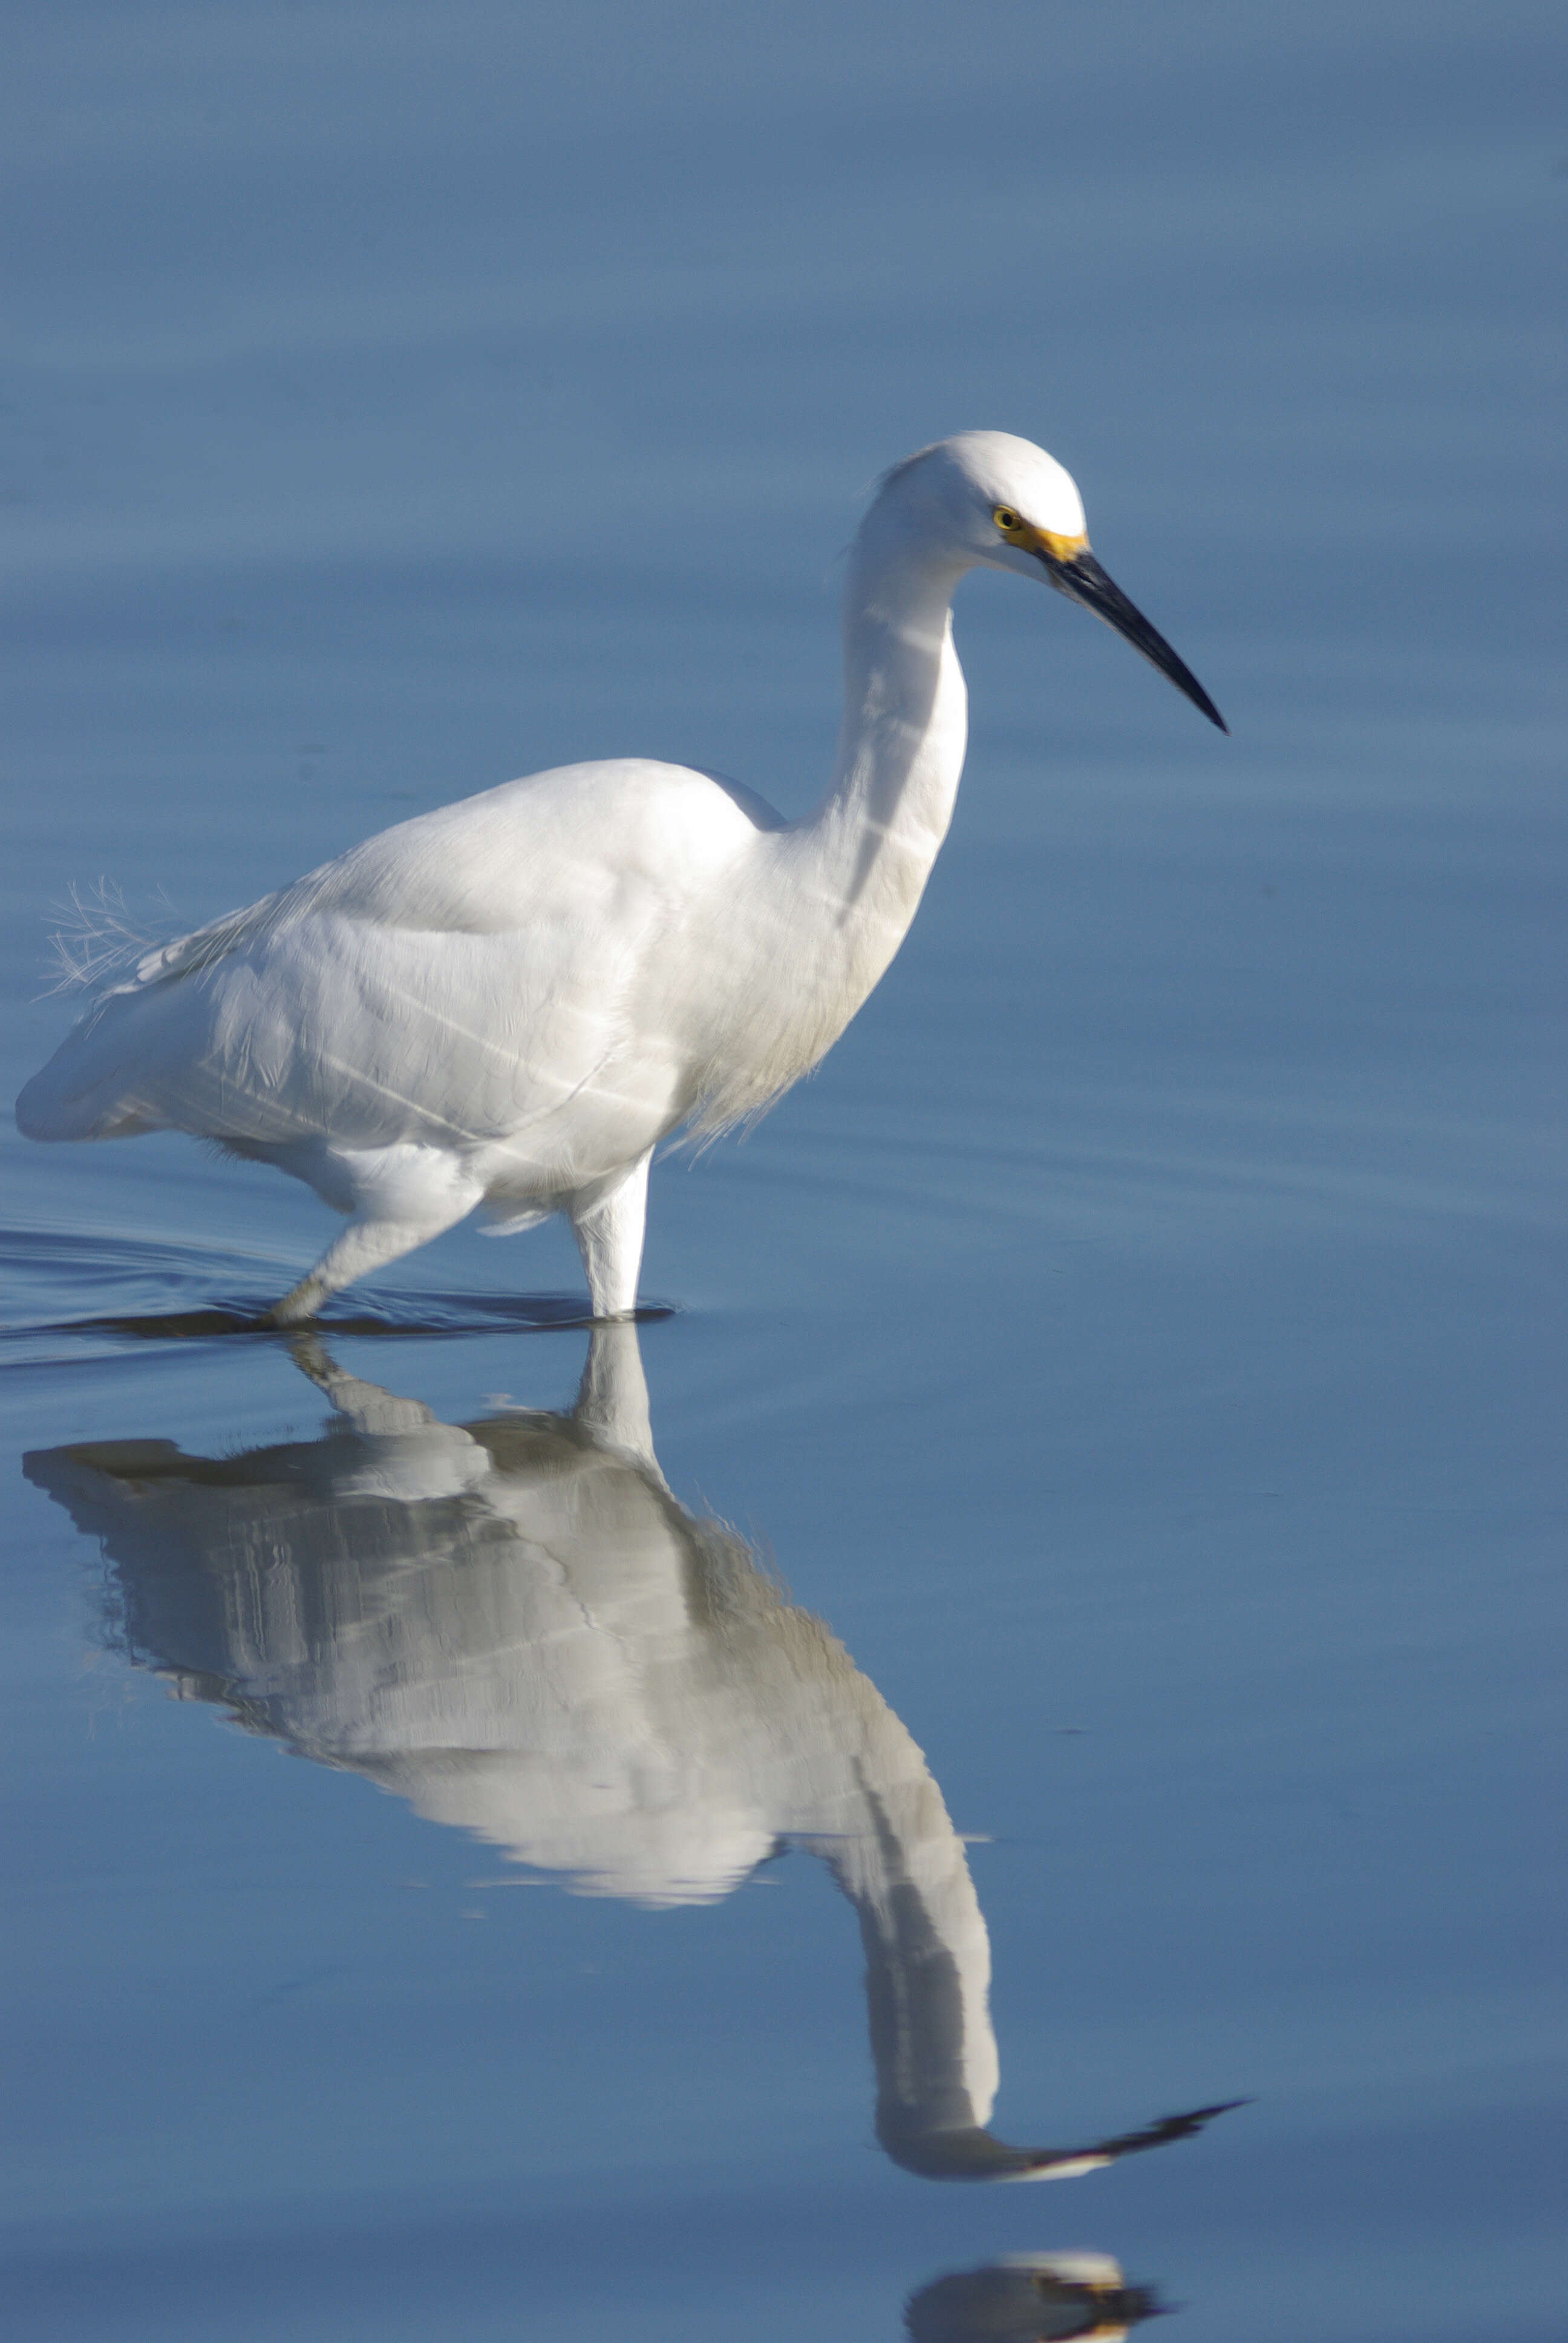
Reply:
x=102, y=1081
x=54, y=1106
x=108, y=1074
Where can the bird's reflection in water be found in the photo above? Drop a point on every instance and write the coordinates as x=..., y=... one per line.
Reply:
x=1031, y=2298
x=515, y=1627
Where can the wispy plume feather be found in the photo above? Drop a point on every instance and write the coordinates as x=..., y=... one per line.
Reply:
x=96, y=941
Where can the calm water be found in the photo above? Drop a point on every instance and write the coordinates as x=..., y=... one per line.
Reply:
x=1106, y=1523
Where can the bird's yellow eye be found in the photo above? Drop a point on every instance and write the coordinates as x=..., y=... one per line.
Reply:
x=1005, y=518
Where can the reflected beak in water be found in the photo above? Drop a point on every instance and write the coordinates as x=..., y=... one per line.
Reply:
x=1073, y=571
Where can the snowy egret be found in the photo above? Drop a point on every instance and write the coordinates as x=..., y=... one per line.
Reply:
x=510, y=1001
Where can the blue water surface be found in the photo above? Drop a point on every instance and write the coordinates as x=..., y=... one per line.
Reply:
x=1108, y=1489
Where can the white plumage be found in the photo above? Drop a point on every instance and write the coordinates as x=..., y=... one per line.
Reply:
x=510, y=1001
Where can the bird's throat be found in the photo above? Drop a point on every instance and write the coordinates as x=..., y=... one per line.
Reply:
x=878, y=829
x=838, y=889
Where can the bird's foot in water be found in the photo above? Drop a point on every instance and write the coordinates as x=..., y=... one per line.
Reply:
x=299, y=1306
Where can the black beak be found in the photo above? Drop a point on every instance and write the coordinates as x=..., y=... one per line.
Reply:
x=1084, y=581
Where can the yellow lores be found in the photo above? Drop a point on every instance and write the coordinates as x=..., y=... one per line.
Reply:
x=1029, y=539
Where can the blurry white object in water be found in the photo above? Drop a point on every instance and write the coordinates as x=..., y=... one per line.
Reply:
x=510, y=1001
x=1031, y=2298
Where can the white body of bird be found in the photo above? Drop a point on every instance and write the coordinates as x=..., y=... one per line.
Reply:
x=510, y=1001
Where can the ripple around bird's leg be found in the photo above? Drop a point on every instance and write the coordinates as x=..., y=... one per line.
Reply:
x=59, y=1282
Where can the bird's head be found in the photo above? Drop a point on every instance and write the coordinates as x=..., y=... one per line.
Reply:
x=1004, y=502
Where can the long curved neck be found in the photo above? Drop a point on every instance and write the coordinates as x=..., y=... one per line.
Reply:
x=833, y=894
x=871, y=844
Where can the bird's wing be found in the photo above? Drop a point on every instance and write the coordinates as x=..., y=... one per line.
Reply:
x=459, y=979
x=184, y=955
x=558, y=845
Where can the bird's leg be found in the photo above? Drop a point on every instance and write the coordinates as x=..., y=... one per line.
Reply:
x=609, y=1231
x=364, y=1245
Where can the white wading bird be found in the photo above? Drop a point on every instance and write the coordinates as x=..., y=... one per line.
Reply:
x=511, y=1001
